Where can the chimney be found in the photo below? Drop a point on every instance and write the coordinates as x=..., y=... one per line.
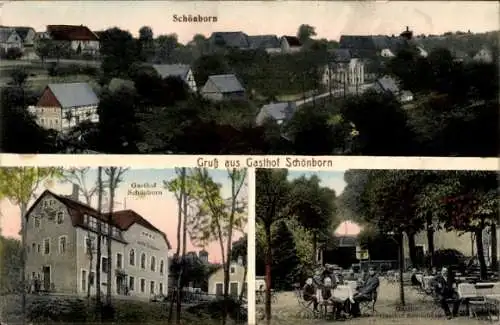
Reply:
x=75, y=193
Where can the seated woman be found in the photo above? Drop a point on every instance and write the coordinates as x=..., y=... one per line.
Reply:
x=309, y=293
x=366, y=292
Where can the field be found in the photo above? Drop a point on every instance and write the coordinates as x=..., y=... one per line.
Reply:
x=419, y=310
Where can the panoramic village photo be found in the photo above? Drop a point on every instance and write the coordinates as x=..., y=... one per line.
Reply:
x=122, y=245
x=328, y=78
x=405, y=247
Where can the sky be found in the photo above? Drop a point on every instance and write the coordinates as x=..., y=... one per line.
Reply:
x=160, y=210
x=335, y=181
x=331, y=18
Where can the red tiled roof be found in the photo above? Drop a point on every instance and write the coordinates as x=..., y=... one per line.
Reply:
x=71, y=33
x=121, y=219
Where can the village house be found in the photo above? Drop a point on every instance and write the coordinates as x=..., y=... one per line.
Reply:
x=181, y=71
x=63, y=106
x=269, y=43
x=290, y=44
x=387, y=84
x=61, y=233
x=237, y=281
x=10, y=39
x=344, y=70
x=484, y=55
x=80, y=38
x=237, y=40
x=223, y=87
x=279, y=112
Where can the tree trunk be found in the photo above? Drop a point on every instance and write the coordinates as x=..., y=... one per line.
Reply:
x=401, y=258
x=184, y=244
x=494, y=247
x=112, y=189
x=90, y=255
x=430, y=244
x=269, y=261
x=24, y=209
x=242, y=293
x=412, y=248
x=176, y=293
x=315, y=247
x=480, y=253
x=98, y=257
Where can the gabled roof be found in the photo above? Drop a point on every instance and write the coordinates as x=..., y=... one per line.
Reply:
x=71, y=33
x=22, y=31
x=276, y=111
x=74, y=94
x=230, y=39
x=226, y=83
x=340, y=55
x=123, y=219
x=5, y=33
x=263, y=41
x=172, y=70
x=292, y=40
x=388, y=84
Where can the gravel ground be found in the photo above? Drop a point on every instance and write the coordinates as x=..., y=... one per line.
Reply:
x=419, y=310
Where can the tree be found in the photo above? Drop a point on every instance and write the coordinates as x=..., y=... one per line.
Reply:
x=19, y=185
x=145, y=44
x=119, y=52
x=273, y=195
x=19, y=77
x=115, y=177
x=286, y=264
x=78, y=177
x=43, y=48
x=100, y=190
x=240, y=249
x=305, y=33
x=11, y=267
x=166, y=45
x=208, y=65
x=314, y=206
x=218, y=217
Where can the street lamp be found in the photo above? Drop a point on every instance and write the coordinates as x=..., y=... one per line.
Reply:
x=399, y=243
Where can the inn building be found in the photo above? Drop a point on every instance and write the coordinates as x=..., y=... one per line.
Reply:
x=60, y=233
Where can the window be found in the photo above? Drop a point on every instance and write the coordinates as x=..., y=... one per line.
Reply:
x=62, y=244
x=143, y=261
x=86, y=219
x=37, y=222
x=152, y=287
x=131, y=283
x=131, y=259
x=38, y=248
x=84, y=280
x=33, y=247
x=105, y=228
x=161, y=288
x=104, y=266
x=161, y=266
x=46, y=246
x=153, y=263
x=232, y=270
x=92, y=278
x=119, y=258
x=60, y=217
x=143, y=285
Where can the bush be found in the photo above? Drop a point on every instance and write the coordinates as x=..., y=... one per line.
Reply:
x=73, y=69
x=446, y=258
x=56, y=309
x=12, y=54
x=214, y=310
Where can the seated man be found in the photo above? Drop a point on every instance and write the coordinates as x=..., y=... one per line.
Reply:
x=309, y=293
x=444, y=291
x=366, y=292
x=414, y=280
x=329, y=299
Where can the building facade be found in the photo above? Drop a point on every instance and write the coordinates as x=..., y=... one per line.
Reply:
x=237, y=280
x=341, y=74
x=10, y=39
x=63, y=106
x=61, y=232
x=223, y=87
x=79, y=38
x=182, y=71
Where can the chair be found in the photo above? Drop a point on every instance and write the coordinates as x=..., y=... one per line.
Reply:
x=306, y=310
x=369, y=305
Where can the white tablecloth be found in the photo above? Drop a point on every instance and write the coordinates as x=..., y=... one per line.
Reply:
x=342, y=292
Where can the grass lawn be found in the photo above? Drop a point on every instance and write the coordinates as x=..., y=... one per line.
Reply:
x=419, y=310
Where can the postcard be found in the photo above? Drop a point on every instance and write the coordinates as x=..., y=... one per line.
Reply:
x=395, y=246
x=379, y=78
x=129, y=245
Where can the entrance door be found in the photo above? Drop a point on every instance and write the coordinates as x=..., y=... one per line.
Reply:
x=233, y=289
x=46, y=278
x=219, y=289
